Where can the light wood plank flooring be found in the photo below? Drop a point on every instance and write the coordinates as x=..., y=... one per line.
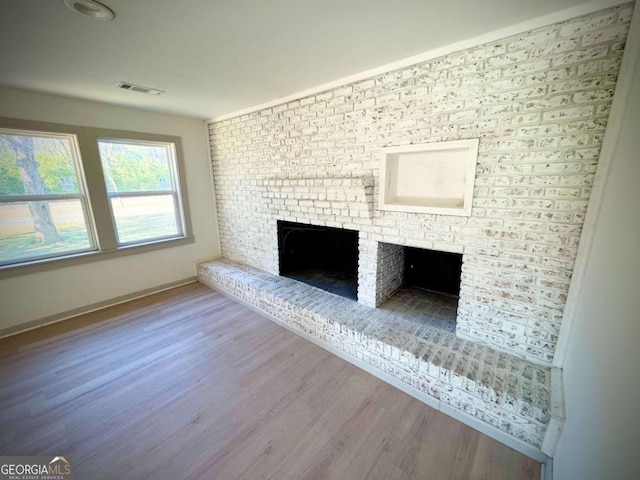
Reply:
x=189, y=384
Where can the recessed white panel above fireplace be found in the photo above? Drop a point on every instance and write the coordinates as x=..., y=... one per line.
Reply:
x=429, y=178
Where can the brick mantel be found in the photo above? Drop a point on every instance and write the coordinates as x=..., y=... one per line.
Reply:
x=313, y=197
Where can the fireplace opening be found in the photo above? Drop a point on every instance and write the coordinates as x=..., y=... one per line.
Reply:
x=432, y=270
x=423, y=284
x=323, y=257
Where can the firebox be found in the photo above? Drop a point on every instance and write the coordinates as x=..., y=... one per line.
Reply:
x=323, y=257
x=425, y=284
x=432, y=270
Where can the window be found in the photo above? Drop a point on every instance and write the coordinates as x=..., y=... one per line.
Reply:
x=74, y=194
x=43, y=208
x=143, y=190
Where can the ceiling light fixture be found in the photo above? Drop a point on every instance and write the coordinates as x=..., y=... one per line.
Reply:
x=90, y=9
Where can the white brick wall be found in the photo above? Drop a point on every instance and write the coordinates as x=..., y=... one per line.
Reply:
x=367, y=271
x=539, y=103
x=380, y=271
x=390, y=270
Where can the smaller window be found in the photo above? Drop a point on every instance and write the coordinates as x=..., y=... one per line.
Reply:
x=43, y=207
x=143, y=188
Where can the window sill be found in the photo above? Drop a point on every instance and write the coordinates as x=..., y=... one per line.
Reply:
x=42, y=265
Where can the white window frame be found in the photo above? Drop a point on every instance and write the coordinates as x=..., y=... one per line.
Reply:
x=97, y=208
x=174, y=192
x=81, y=196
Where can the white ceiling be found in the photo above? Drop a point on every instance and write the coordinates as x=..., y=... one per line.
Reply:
x=214, y=57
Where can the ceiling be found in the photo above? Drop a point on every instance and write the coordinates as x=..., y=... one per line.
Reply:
x=214, y=57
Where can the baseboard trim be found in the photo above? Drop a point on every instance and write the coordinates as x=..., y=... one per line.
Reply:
x=558, y=415
x=433, y=402
x=546, y=472
x=59, y=317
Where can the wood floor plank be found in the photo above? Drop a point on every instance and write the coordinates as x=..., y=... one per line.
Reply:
x=189, y=384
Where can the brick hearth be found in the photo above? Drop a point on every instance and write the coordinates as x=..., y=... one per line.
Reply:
x=502, y=390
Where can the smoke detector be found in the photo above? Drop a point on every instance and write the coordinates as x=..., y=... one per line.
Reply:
x=90, y=9
x=140, y=88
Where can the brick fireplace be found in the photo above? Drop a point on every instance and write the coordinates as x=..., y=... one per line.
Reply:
x=539, y=104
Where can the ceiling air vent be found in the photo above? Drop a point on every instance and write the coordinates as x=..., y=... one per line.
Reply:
x=139, y=88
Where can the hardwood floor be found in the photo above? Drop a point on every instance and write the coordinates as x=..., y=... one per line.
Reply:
x=189, y=384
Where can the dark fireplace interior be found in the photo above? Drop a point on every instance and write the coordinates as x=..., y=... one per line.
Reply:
x=323, y=257
x=432, y=270
x=422, y=284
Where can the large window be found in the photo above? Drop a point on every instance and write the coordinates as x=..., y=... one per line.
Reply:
x=142, y=185
x=43, y=208
x=74, y=193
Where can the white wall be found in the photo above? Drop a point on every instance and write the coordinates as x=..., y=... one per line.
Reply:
x=30, y=297
x=602, y=368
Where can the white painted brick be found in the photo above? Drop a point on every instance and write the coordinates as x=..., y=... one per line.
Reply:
x=527, y=67
x=463, y=115
x=555, y=48
x=537, y=130
x=615, y=33
x=527, y=118
x=482, y=78
x=592, y=23
x=580, y=56
x=565, y=141
x=539, y=104
x=593, y=96
x=529, y=39
x=448, y=84
x=506, y=59
x=500, y=110
x=523, y=93
x=449, y=106
x=554, y=168
x=577, y=84
x=600, y=66
x=486, y=51
x=567, y=113
x=585, y=125
x=548, y=103
x=466, y=70
x=449, y=61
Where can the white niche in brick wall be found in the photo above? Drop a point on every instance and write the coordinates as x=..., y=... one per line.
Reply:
x=429, y=178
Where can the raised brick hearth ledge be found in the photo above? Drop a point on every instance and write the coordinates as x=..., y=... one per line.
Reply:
x=509, y=393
